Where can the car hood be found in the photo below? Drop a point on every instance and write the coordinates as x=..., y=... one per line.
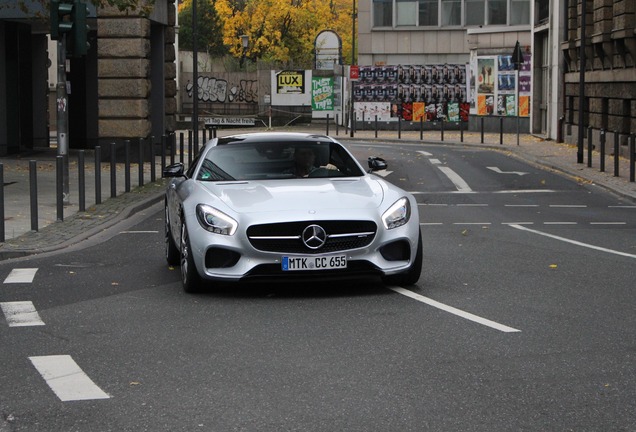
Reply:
x=304, y=194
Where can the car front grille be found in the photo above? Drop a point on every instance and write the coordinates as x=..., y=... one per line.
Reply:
x=287, y=237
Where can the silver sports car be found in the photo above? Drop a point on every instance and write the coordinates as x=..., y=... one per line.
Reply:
x=287, y=205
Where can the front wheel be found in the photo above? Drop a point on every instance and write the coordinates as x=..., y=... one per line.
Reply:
x=412, y=275
x=190, y=278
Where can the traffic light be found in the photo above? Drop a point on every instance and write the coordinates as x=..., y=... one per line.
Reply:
x=61, y=21
x=70, y=18
x=79, y=42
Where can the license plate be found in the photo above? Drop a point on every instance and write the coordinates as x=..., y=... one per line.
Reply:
x=314, y=262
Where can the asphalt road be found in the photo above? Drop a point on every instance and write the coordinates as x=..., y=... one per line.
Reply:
x=523, y=319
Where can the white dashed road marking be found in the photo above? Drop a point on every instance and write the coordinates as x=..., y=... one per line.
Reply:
x=66, y=379
x=21, y=314
x=458, y=312
x=574, y=242
x=24, y=275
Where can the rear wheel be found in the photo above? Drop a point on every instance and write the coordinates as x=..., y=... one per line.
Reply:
x=412, y=275
x=172, y=251
x=190, y=278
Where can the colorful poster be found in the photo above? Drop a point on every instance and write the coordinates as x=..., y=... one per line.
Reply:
x=453, y=112
x=322, y=94
x=524, y=106
x=290, y=82
x=418, y=111
x=485, y=75
x=511, y=105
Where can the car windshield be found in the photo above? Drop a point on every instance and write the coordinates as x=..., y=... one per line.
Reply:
x=240, y=161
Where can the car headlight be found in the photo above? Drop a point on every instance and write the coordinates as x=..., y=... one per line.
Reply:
x=398, y=214
x=215, y=221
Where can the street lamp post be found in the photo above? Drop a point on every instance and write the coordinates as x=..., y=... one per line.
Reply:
x=245, y=40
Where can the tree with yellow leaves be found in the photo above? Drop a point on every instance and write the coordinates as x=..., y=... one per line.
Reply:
x=283, y=30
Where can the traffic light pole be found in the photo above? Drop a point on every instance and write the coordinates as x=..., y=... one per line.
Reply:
x=62, y=114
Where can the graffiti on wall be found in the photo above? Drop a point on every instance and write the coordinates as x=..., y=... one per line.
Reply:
x=211, y=89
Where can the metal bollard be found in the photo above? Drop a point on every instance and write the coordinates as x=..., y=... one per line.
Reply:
x=98, y=175
x=399, y=127
x=59, y=186
x=482, y=129
x=590, y=146
x=442, y=130
x=632, y=158
x=140, y=173
x=81, y=177
x=164, y=140
x=127, y=165
x=181, y=146
x=461, y=130
x=173, y=146
x=616, y=151
x=189, y=147
x=422, y=128
x=603, y=137
x=2, y=232
x=500, y=130
x=113, y=170
x=153, y=168
x=327, y=133
x=376, y=126
x=33, y=189
x=337, y=124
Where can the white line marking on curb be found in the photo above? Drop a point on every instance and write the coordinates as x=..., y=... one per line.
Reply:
x=21, y=314
x=460, y=313
x=66, y=379
x=459, y=182
x=574, y=242
x=608, y=223
x=23, y=275
x=435, y=161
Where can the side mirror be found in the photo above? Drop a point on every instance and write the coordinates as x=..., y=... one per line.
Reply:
x=377, y=164
x=175, y=170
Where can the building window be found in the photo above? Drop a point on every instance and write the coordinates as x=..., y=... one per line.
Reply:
x=451, y=12
x=475, y=12
x=429, y=12
x=406, y=13
x=435, y=13
x=382, y=13
x=497, y=12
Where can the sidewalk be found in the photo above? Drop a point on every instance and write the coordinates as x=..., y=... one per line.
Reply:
x=76, y=226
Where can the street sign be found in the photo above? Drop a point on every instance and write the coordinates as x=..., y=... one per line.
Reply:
x=354, y=72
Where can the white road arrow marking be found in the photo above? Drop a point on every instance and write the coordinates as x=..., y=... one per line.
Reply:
x=499, y=171
x=382, y=173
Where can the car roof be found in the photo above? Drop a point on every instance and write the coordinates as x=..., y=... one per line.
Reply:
x=269, y=137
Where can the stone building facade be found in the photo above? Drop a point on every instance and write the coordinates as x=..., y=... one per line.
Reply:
x=609, y=78
x=124, y=88
x=136, y=73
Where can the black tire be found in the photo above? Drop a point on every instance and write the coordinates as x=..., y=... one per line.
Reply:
x=173, y=256
x=412, y=275
x=190, y=278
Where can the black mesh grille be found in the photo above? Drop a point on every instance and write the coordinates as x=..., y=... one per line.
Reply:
x=342, y=236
